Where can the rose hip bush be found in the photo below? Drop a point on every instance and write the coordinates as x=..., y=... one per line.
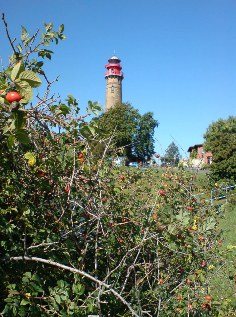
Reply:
x=81, y=236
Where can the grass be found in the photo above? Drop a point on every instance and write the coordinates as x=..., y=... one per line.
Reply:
x=223, y=285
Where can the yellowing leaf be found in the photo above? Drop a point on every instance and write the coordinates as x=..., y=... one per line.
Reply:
x=31, y=158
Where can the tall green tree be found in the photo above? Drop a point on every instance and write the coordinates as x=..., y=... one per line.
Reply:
x=144, y=139
x=172, y=154
x=129, y=130
x=120, y=124
x=220, y=139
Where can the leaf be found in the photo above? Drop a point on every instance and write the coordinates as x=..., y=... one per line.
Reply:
x=31, y=158
x=8, y=72
x=64, y=109
x=3, y=83
x=32, y=78
x=24, y=34
x=61, y=28
x=28, y=274
x=19, y=47
x=9, y=127
x=16, y=70
x=93, y=107
x=2, y=100
x=48, y=26
x=24, y=89
x=19, y=117
x=58, y=299
x=45, y=53
x=24, y=302
x=10, y=141
x=22, y=136
x=87, y=130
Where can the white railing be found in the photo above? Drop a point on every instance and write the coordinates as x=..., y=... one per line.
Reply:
x=223, y=193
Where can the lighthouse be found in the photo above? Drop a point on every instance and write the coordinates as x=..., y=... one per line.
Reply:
x=114, y=77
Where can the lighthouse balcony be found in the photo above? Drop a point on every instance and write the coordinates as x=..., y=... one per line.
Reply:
x=114, y=73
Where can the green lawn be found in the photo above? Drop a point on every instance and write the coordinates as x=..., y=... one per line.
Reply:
x=223, y=284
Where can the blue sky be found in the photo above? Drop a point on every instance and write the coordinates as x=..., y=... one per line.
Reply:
x=178, y=56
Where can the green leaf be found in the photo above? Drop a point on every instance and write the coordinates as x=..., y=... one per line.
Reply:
x=24, y=302
x=3, y=83
x=16, y=71
x=64, y=109
x=87, y=130
x=93, y=107
x=61, y=28
x=32, y=78
x=9, y=127
x=45, y=53
x=48, y=26
x=8, y=72
x=19, y=117
x=24, y=89
x=58, y=299
x=2, y=100
x=11, y=141
x=19, y=47
x=24, y=34
x=22, y=136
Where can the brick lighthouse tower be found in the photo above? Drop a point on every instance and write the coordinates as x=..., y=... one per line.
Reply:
x=114, y=77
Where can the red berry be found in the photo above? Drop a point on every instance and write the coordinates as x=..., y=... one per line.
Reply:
x=67, y=188
x=208, y=297
x=13, y=96
x=162, y=193
x=121, y=177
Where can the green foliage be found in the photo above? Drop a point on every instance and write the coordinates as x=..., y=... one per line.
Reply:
x=144, y=138
x=193, y=154
x=129, y=131
x=220, y=139
x=172, y=155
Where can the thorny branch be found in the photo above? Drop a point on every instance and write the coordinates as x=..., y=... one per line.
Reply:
x=80, y=272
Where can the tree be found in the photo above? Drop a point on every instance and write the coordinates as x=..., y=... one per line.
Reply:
x=220, y=139
x=144, y=138
x=129, y=131
x=120, y=124
x=172, y=154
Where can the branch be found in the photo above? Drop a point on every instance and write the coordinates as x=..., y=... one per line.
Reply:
x=8, y=35
x=76, y=271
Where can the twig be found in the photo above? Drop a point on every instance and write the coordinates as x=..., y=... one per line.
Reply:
x=8, y=35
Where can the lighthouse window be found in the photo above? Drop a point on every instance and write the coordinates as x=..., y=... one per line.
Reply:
x=112, y=88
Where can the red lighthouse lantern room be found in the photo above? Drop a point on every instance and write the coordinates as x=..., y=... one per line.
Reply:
x=114, y=68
